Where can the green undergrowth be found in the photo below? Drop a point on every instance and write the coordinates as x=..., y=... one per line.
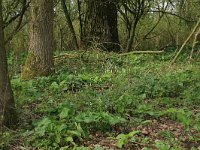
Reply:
x=111, y=94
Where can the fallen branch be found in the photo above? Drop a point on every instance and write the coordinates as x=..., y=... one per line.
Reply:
x=65, y=55
x=141, y=52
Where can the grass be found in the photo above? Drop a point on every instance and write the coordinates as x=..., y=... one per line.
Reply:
x=98, y=100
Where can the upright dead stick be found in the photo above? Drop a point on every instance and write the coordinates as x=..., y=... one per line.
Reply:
x=194, y=43
x=180, y=50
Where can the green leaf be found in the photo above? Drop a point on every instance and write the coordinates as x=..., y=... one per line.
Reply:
x=121, y=136
x=61, y=127
x=40, y=131
x=58, y=139
x=124, y=138
x=64, y=113
x=162, y=146
x=74, y=133
x=44, y=122
x=81, y=148
x=97, y=147
x=132, y=133
x=69, y=139
x=121, y=142
x=64, y=148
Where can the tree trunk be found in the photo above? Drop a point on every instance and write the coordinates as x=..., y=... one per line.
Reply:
x=132, y=35
x=80, y=20
x=40, y=57
x=69, y=22
x=100, y=24
x=8, y=116
x=139, y=6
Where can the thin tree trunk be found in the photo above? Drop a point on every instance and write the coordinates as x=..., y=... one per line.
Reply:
x=40, y=57
x=8, y=115
x=61, y=41
x=69, y=22
x=140, y=7
x=132, y=35
x=80, y=20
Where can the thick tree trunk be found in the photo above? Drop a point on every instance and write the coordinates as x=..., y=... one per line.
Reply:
x=8, y=116
x=40, y=57
x=100, y=24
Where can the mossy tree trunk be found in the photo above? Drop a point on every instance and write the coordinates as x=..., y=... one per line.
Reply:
x=100, y=24
x=8, y=116
x=40, y=57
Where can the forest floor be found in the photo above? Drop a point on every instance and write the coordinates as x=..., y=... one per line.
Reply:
x=98, y=100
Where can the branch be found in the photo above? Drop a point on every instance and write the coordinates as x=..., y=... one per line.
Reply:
x=19, y=26
x=24, y=8
x=173, y=14
x=15, y=32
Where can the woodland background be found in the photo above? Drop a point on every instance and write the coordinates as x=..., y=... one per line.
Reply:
x=100, y=74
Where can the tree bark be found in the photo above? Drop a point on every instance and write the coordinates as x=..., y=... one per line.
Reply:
x=8, y=115
x=40, y=57
x=100, y=24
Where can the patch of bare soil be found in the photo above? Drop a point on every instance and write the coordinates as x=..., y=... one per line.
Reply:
x=157, y=130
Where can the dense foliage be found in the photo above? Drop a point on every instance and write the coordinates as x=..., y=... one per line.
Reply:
x=100, y=74
x=98, y=100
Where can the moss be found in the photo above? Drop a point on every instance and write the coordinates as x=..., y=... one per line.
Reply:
x=35, y=67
